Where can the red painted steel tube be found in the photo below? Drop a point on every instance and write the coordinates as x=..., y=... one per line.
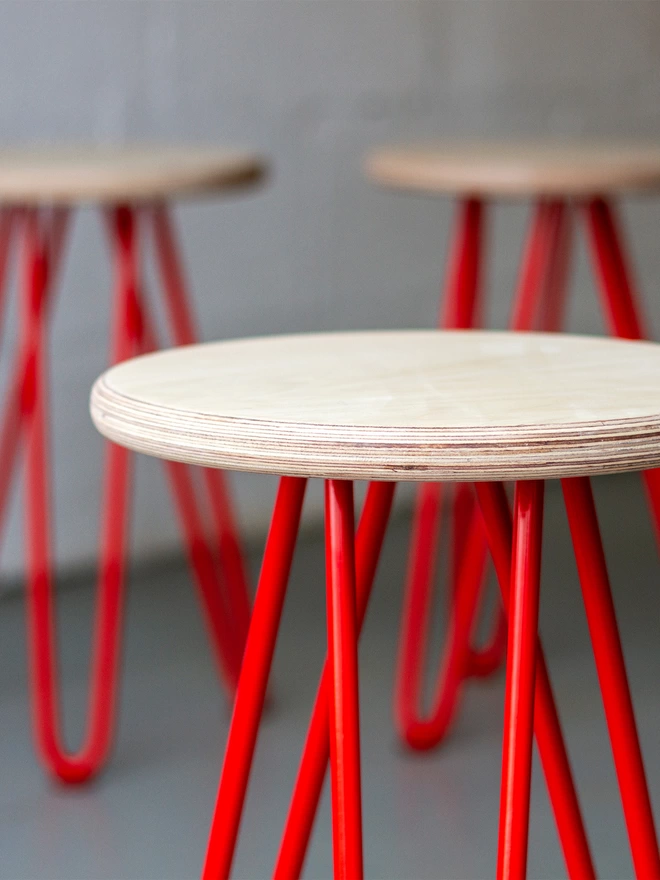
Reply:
x=226, y=645
x=547, y=727
x=248, y=705
x=8, y=222
x=316, y=753
x=610, y=665
x=345, y=772
x=460, y=310
x=551, y=316
x=462, y=305
x=14, y=416
x=613, y=273
x=232, y=572
x=621, y=303
x=426, y=733
x=540, y=299
x=521, y=673
x=540, y=296
x=79, y=766
x=538, y=264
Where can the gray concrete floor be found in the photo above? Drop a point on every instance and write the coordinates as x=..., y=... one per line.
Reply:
x=431, y=815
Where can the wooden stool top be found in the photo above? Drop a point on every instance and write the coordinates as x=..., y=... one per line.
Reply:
x=387, y=405
x=519, y=169
x=116, y=174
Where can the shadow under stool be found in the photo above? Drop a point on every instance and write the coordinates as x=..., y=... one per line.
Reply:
x=132, y=188
x=567, y=183
x=469, y=406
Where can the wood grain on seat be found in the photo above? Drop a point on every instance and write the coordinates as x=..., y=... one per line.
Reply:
x=115, y=174
x=519, y=168
x=407, y=405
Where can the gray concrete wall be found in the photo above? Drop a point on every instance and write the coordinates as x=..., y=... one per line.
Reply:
x=312, y=85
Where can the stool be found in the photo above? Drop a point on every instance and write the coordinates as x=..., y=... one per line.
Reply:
x=564, y=181
x=411, y=405
x=38, y=193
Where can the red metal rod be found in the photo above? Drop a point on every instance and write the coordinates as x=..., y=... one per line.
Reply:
x=251, y=692
x=547, y=728
x=343, y=668
x=316, y=754
x=610, y=665
x=552, y=310
x=227, y=647
x=537, y=265
x=613, y=273
x=15, y=412
x=462, y=303
x=460, y=310
x=79, y=766
x=621, y=303
x=540, y=300
x=426, y=733
x=521, y=674
x=232, y=573
x=8, y=222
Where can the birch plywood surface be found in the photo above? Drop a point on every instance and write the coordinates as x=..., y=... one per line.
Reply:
x=112, y=174
x=519, y=168
x=393, y=405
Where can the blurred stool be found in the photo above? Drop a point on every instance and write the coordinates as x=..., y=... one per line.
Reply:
x=565, y=182
x=38, y=192
x=411, y=405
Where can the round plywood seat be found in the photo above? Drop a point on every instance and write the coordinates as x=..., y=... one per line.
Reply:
x=519, y=169
x=407, y=405
x=116, y=174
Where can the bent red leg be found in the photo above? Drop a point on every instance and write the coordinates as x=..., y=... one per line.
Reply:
x=227, y=648
x=621, y=303
x=521, y=674
x=233, y=577
x=15, y=411
x=316, y=754
x=539, y=302
x=251, y=691
x=610, y=665
x=425, y=733
x=79, y=766
x=547, y=727
x=460, y=310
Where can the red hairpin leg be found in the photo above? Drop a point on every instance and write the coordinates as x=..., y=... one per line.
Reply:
x=217, y=615
x=234, y=581
x=495, y=510
x=240, y=747
x=316, y=753
x=8, y=222
x=610, y=664
x=540, y=303
x=28, y=404
x=461, y=310
x=248, y=705
x=13, y=416
x=79, y=766
x=540, y=297
x=15, y=409
x=521, y=674
x=620, y=301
